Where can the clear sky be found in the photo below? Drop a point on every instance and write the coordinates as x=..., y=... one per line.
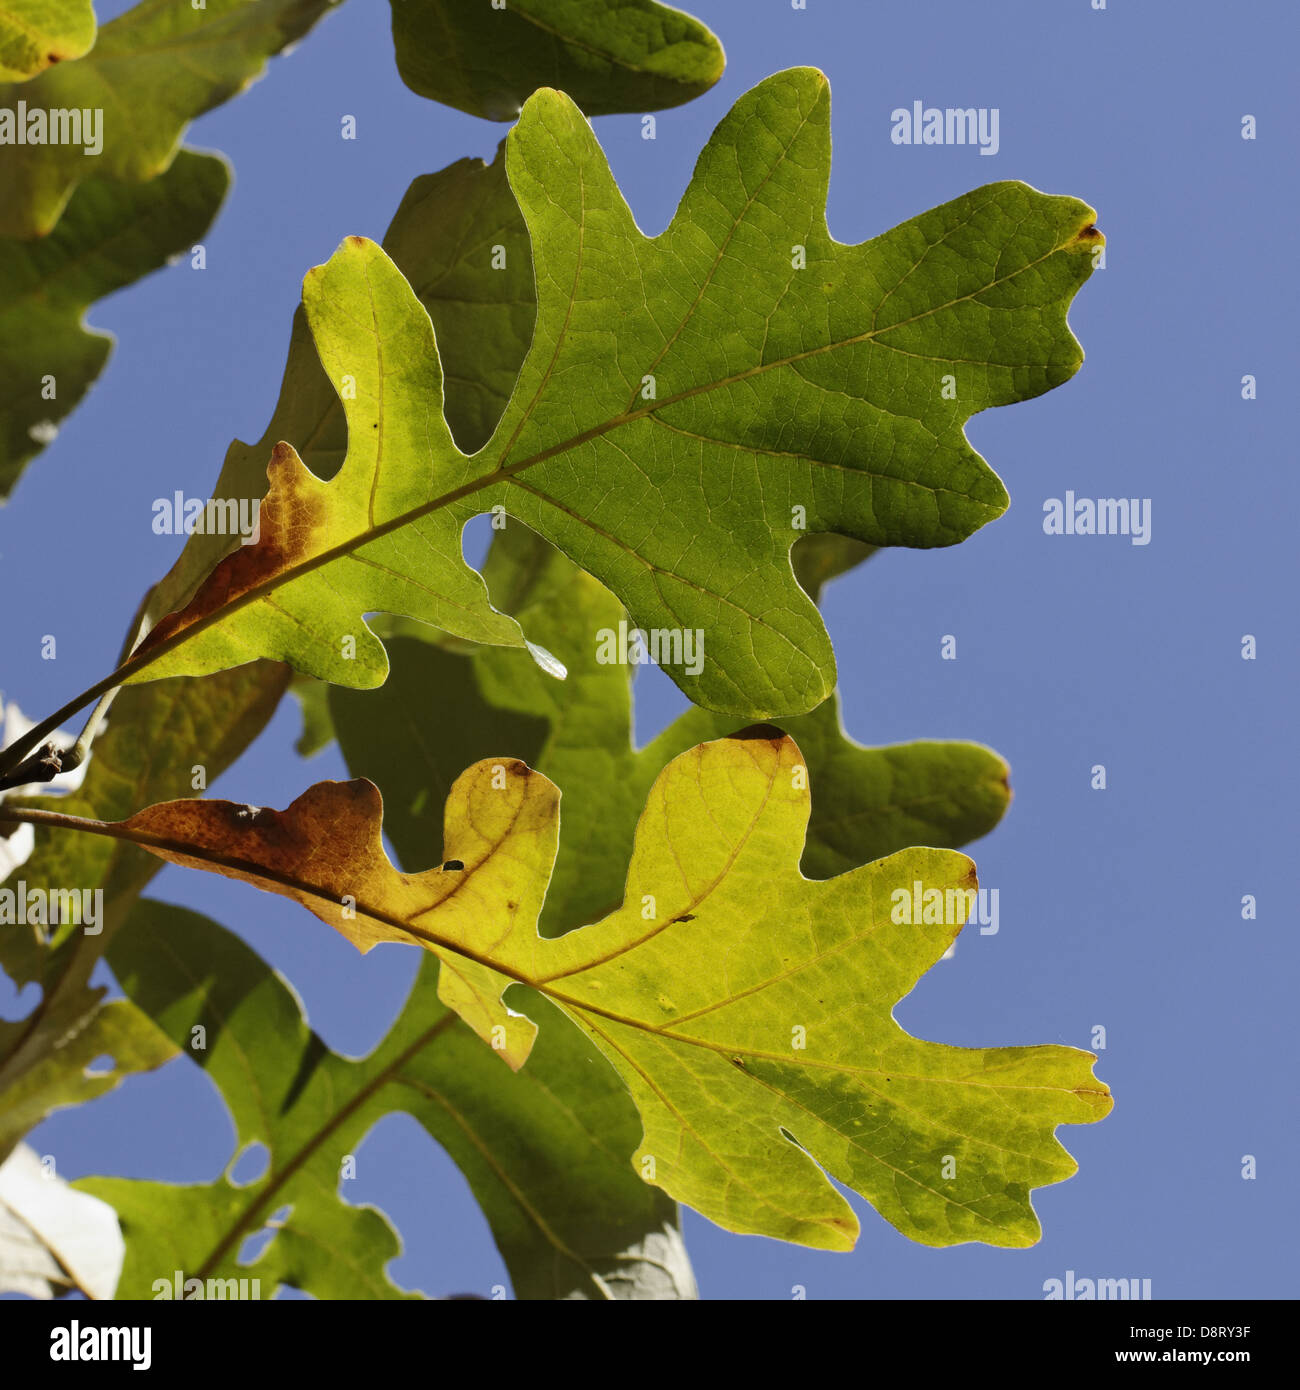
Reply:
x=1119, y=908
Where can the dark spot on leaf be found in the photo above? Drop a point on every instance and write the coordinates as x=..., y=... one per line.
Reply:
x=685, y=917
x=452, y=864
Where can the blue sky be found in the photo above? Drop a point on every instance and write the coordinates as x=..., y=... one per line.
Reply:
x=1119, y=908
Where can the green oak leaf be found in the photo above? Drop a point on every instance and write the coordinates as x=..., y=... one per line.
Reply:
x=442, y=239
x=609, y=55
x=746, y=1007
x=545, y=1151
x=34, y=34
x=111, y=235
x=156, y=738
x=687, y=405
x=751, y=1019
x=151, y=72
x=440, y=710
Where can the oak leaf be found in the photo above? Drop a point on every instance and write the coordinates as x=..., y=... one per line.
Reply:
x=746, y=1008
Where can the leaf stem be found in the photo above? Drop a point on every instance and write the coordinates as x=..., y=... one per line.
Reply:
x=258, y=876
x=17, y=767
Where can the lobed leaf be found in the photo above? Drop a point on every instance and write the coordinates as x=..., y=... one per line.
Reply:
x=746, y=1008
x=778, y=393
x=751, y=1020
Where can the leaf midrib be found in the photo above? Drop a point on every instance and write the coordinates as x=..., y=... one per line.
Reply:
x=251, y=873
x=294, y=1165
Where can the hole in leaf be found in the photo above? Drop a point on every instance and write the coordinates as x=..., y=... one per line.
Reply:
x=17, y=1004
x=254, y=1246
x=785, y=1134
x=103, y=1065
x=475, y=537
x=249, y=1165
